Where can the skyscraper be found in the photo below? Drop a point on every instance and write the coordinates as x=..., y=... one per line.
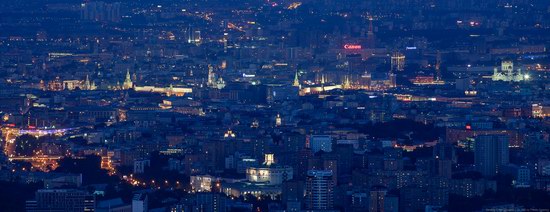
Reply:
x=397, y=62
x=491, y=153
x=319, y=190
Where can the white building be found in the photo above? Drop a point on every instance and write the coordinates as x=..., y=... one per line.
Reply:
x=506, y=72
x=269, y=173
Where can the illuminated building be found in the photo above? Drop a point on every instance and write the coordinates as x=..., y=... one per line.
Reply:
x=169, y=91
x=346, y=85
x=229, y=134
x=202, y=183
x=278, y=120
x=366, y=80
x=255, y=124
x=296, y=82
x=128, y=84
x=87, y=85
x=225, y=40
x=269, y=173
x=397, y=62
x=197, y=37
x=506, y=72
x=220, y=83
x=423, y=80
x=538, y=111
x=211, y=77
x=194, y=36
x=55, y=85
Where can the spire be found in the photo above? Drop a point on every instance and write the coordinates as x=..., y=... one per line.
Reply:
x=296, y=82
x=346, y=85
x=278, y=120
x=128, y=75
x=211, y=76
x=170, y=90
x=87, y=84
x=438, y=67
x=128, y=84
x=323, y=82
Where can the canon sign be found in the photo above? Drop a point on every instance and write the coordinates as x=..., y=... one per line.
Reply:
x=352, y=46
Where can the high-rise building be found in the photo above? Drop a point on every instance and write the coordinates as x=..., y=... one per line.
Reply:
x=212, y=79
x=61, y=200
x=371, y=38
x=491, y=152
x=397, y=62
x=319, y=190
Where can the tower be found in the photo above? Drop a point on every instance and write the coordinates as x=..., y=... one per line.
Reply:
x=371, y=39
x=397, y=62
x=269, y=159
x=225, y=40
x=211, y=77
x=319, y=190
x=296, y=82
x=87, y=85
x=278, y=120
x=128, y=84
x=366, y=80
x=220, y=83
x=438, y=67
x=346, y=85
x=392, y=80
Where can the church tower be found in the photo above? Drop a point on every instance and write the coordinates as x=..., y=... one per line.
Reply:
x=211, y=77
x=128, y=84
x=296, y=82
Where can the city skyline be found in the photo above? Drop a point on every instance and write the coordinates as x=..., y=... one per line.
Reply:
x=275, y=105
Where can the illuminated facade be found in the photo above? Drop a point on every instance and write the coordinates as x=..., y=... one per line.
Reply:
x=128, y=84
x=397, y=62
x=507, y=73
x=202, y=183
x=269, y=173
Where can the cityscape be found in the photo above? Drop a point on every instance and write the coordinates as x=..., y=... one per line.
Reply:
x=274, y=105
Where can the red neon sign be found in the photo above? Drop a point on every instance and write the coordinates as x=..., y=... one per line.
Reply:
x=352, y=46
